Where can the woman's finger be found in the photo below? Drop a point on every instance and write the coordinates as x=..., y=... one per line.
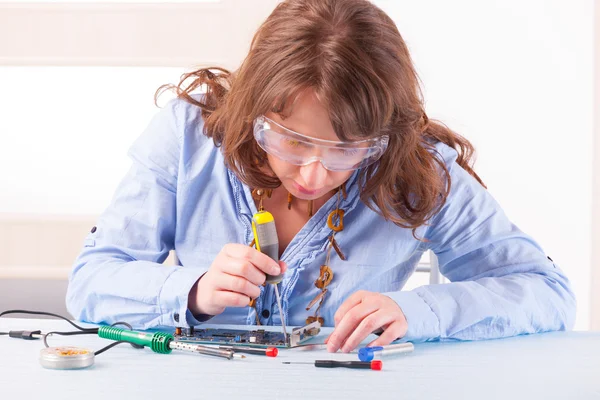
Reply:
x=244, y=269
x=237, y=284
x=351, y=302
x=230, y=299
x=261, y=261
x=395, y=331
x=348, y=324
x=366, y=327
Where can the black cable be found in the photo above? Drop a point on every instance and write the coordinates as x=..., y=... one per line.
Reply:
x=45, y=336
x=123, y=323
x=82, y=331
x=102, y=350
x=46, y=313
x=134, y=345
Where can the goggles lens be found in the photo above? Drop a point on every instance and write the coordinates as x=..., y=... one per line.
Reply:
x=299, y=149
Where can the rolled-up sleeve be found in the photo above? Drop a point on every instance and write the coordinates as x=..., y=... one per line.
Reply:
x=119, y=275
x=502, y=282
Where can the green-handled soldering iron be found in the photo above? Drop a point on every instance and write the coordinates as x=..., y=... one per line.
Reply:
x=161, y=342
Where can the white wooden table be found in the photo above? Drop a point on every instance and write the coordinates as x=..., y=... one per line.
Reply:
x=543, y=366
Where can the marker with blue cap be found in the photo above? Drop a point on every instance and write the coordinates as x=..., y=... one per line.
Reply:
x=378, y=352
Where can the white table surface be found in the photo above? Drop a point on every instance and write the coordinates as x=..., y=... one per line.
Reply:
x=543, y=366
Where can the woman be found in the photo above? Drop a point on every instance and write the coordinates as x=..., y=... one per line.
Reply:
x=322, y=125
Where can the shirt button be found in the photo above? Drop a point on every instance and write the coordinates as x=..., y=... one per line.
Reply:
x=265, y=313
x=176, y=317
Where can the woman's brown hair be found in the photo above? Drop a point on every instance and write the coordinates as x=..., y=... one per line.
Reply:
x=352, y=55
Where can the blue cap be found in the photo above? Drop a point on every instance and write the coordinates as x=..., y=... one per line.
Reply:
x=368, y=353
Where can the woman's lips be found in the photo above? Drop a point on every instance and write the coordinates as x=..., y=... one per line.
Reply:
x=303, y=190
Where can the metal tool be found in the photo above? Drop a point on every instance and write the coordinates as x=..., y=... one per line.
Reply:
x=376, y=365
x=269, y=351
x=265, y=238
x=161, y=342
x=302, y=334
x=378, y=352
x=206, y=350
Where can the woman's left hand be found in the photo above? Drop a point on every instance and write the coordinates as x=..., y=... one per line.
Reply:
x=362, y=314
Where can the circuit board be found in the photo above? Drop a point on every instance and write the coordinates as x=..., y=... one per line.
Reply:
x=258, y=338
x=255, y=338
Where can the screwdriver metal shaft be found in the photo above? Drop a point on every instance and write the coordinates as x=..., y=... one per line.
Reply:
x=285, y=339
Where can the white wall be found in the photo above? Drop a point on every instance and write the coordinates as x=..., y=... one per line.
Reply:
x=595, y=281
x=513, y=76
x=65, y=132
x=516, y=77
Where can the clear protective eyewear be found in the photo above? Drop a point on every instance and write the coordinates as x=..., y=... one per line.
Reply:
x=298, y=149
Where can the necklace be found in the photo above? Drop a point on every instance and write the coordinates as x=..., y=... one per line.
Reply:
x=335, y=222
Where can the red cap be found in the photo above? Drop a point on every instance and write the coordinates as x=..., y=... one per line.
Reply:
x=376, y=365
x=272, y=352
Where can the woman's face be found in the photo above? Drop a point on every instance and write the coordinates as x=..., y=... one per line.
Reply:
x=308, y=182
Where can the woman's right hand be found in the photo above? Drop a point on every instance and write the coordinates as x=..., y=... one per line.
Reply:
x=232, y=280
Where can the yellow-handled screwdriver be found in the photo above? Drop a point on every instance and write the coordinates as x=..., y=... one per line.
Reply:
x=267, y=242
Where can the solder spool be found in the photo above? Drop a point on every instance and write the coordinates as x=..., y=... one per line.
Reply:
x=66, y=357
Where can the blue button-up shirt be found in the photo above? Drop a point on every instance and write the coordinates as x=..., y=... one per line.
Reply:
x=179, y=195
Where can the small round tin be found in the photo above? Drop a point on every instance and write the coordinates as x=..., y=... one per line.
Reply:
x=66, y=357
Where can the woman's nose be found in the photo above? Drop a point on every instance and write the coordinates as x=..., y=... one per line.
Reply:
x=314, y=175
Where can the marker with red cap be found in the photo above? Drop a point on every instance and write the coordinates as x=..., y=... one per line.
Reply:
x=376, y=365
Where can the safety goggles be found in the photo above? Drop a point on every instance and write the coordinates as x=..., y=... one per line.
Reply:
x=298, y=149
